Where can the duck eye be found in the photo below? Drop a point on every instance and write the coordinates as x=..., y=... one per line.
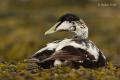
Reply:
x=81, y=27
x=72, y=28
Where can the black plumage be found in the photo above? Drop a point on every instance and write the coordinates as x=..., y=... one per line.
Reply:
x=75, y=52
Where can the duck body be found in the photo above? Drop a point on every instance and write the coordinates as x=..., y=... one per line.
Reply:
x=70, y=52
x=75, y=52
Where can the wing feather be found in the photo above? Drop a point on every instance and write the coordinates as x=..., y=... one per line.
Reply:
x=70, y=53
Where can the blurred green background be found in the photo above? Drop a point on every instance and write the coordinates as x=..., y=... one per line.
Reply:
x=23, y=23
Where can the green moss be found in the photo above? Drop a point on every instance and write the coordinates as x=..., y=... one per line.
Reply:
x=25, y=71
x=22, y=27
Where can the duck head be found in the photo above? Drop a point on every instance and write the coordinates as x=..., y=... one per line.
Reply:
x=71, y=23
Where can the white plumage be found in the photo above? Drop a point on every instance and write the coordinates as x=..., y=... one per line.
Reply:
x=75, y=52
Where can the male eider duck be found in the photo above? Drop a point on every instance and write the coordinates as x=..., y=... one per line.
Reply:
x=75, y=52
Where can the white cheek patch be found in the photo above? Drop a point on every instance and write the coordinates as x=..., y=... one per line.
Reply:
x=64, y=26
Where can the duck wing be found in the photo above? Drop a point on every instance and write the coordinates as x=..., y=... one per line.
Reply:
x=43, y=54
x=70, y=53
x=85, y=53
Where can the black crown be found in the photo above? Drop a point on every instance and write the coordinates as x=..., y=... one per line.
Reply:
x=69, y=17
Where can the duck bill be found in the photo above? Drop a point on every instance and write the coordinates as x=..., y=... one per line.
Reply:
x=52, y=29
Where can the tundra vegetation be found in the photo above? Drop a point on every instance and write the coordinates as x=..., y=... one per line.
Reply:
x=22, y=27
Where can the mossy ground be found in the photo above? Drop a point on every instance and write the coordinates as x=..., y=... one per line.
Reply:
x=22, y=27
x=30, y=71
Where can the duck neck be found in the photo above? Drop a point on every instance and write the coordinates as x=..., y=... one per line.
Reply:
x=81, y=35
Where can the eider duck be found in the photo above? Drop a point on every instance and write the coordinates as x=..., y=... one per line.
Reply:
x=75, y=52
